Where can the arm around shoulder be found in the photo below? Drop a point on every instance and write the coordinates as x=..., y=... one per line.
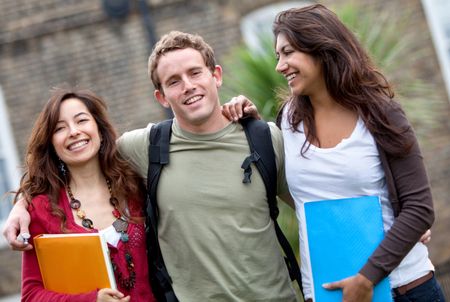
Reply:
x=18, y=222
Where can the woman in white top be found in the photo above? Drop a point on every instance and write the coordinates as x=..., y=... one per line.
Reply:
x=344, y=136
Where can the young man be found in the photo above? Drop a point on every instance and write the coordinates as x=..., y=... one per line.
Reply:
x=217, y=238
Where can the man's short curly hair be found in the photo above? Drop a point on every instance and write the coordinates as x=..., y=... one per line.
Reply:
x=178, y=40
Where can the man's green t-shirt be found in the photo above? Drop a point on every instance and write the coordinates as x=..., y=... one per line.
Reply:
x=217, y=238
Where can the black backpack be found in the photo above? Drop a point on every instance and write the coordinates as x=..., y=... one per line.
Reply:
x=262, y=155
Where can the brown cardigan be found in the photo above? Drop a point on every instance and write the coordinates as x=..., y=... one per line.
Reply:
x=410, y=196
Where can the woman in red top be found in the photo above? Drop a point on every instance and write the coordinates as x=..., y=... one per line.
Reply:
x=76, y=182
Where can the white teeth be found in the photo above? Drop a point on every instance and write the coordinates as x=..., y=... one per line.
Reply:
x=291, y=76
x=192, y=100
x=77, y=144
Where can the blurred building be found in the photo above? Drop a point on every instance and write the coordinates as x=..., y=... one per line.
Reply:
x=104, y=45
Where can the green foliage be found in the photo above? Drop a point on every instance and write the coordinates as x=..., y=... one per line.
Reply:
x=383, y=35
x=252, y=73
x=395, y=51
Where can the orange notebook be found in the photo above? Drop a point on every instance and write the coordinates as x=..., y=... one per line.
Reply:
x=74, y=263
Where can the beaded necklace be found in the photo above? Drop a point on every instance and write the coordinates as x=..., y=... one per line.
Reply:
x=120, y=225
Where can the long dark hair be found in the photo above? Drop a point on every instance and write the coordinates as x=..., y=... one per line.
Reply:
x=42, y=174
x=350, y=77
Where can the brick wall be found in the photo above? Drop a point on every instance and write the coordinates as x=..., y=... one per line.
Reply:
x=79, y=45
x=46, y=42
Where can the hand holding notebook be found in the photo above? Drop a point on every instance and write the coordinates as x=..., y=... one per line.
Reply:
x=342, y=234
x=74, y=263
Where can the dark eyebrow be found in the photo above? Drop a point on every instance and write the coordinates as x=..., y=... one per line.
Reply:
x=81, y=113
x=166, y=82
x=282, y=49
x=75, y=116
x=285, y=46
x=175, y=76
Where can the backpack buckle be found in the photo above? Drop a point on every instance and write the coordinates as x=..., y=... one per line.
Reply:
x=246, y=165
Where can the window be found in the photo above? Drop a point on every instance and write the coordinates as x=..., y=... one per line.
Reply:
x=9, y=164
x=259, y=22
x=438, y=16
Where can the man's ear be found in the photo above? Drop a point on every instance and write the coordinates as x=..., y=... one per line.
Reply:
x=159, y=95
x=217, y=74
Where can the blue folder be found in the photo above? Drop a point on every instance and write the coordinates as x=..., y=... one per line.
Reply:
x=342, y=234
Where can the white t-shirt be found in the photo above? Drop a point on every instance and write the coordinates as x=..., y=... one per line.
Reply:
x=350, y=169
x=111, y=235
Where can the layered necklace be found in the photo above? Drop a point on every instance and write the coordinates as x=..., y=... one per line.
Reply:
x=120, y=225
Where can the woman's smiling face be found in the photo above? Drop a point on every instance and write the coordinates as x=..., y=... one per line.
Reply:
x=301, y=70
x=76, y=138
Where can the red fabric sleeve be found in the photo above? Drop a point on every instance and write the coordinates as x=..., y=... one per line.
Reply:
x=32, y=286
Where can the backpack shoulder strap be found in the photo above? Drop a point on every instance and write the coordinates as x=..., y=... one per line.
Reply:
x=158, y=157
x=262, y=155
x=158, y=153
